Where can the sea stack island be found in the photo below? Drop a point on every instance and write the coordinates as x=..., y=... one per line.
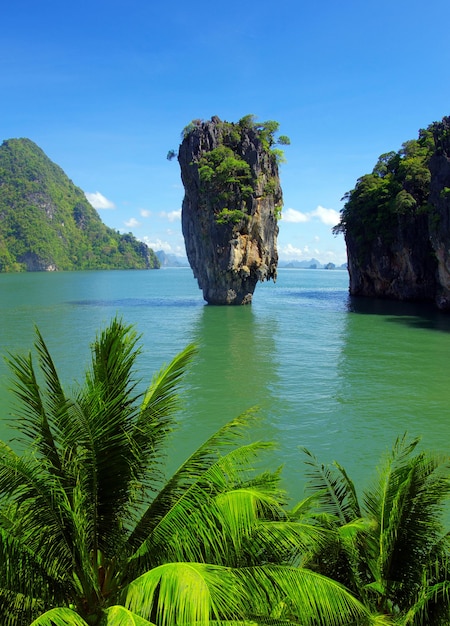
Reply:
x=231, y=206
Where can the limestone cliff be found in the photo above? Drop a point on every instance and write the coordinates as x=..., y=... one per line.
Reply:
x=229, y=212
x=439, y=199
x=396, y=222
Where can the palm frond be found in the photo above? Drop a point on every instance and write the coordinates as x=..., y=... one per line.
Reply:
x=432, y=606
x=305, y=507
x=185, y=593
x=120, y=616
x=59, y=617
x=27, y=584
x=156, y=416
x=299, y=595
x=56, y=402
x=407, y=504
x=208, y=470
x=289, y=542
x=122, y=439
x=186, y=523
x=334, y=489
x=113, y=355
x=32, y=409
x=35, y=495
x=161, y=398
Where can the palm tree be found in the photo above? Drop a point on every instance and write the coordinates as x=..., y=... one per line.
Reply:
x=92, y=532
x=390, y=547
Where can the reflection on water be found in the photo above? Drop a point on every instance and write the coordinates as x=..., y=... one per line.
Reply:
x=393, y=377
x=235, y=370
x=414, y=314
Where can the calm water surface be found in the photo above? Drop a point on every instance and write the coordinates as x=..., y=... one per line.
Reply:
x=340, y=376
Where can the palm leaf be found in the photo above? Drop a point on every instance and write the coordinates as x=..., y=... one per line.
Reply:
x=107, y=401
x=407, y=505
x=185, y=593
x=289, y=542
x=56, y=401
x=432, y=598
x=185, y=523
x=59, y=617
x=120, y=616
x=206, y=471
x=32, y=409
x=121, y=438
x=299, y=595
x=35, y=494
x=27, y=585
x=156, y=417
x=335, y=491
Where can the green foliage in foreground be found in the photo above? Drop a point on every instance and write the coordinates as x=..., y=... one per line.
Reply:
x=389, y=546
x=92, y=532
x=46, y=221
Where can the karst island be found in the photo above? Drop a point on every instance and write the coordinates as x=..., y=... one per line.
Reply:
x=231, y=206
x=396, y=222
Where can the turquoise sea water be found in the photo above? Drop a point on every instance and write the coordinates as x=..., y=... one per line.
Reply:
x=341, y=376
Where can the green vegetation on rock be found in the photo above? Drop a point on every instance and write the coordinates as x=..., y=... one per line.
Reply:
x=397, y=187
x=225, y=174
x=46, y=222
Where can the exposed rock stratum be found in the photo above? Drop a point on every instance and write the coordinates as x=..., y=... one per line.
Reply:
x=229, y=212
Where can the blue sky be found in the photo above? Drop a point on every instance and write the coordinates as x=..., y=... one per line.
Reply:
x=105, y=89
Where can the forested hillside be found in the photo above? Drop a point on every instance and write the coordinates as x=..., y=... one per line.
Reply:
x=46, y=222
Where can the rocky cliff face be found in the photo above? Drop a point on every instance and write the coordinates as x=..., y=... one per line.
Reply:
x=401, y=266
x=439, y=223
x=396, y=223
x=232, y=195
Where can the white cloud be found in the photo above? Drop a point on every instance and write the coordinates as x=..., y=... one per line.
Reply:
x=291, y=252
x=132, y=223
x=159, y=244
x=172, y=216
x=145, y=213
x=98, y=201
x=291, y=215
x=329, y=217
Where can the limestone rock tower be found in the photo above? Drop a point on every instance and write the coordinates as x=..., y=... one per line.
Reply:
x=231, y=204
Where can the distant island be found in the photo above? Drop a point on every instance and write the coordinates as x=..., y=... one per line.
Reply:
x=47, y=224
x=174, y=260
x=396, y=222
x=312, y=264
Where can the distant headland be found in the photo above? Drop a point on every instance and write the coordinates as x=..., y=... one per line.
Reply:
x=47, y=224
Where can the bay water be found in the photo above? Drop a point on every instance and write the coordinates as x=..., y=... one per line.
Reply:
x=340, y=376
